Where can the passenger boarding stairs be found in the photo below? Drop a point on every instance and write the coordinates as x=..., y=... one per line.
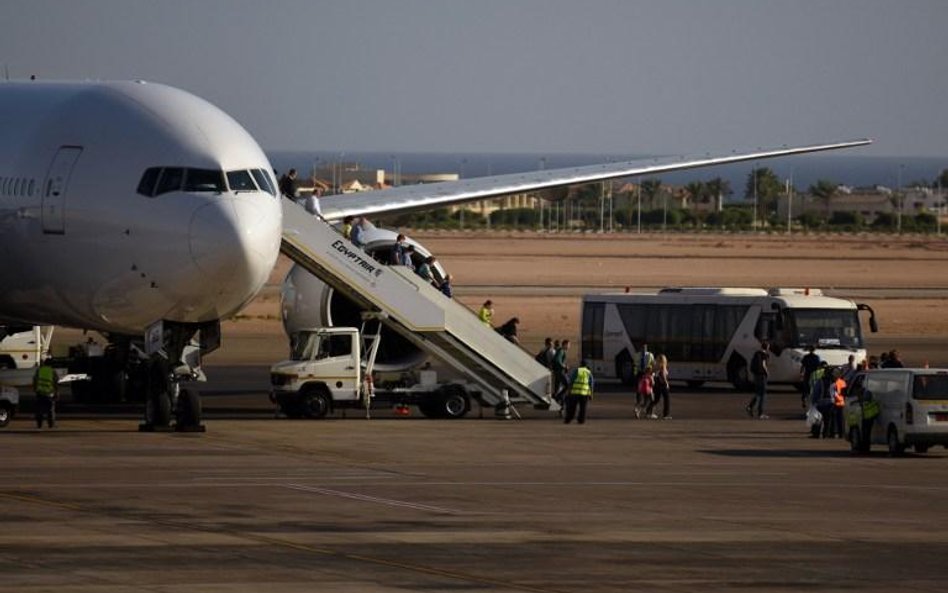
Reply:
x=415, y=309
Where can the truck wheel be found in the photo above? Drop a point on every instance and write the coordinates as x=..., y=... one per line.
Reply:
x=895, y=448
x=6, y=413
x=430, y=408
x=316, y=404
x=454, y=403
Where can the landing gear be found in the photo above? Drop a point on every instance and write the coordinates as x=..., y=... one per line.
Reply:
x=162, y=380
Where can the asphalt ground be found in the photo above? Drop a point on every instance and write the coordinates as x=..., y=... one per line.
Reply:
x=709, y=501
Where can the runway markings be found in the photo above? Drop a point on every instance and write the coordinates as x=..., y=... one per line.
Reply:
x=373, y=499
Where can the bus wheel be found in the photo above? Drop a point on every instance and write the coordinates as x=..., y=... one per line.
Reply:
x=738, y=374
x=695, y=383
x=921, y=448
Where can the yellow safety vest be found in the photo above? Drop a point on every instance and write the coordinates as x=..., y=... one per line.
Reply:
x=44, y=382
x=485, y=315
x=582, y=383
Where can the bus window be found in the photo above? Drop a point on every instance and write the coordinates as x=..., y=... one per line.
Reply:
x=765, y=326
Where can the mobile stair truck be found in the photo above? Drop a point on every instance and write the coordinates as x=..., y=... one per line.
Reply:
x=497, y=371
x=332, y=368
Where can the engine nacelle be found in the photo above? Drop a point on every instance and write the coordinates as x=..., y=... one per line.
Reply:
x=308, y=302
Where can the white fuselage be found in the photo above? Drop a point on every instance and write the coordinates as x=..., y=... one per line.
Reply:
x=81, y=246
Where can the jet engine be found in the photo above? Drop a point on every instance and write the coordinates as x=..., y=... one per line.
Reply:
x=308, y=302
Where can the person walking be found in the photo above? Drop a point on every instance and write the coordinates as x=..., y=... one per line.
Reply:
x=546, y=354
x=357, y=234
x=809, y=363
x=560, y=372
x=486, y=313
x=580, y=392
x=646, y=359
x=759, y=371
x=45, y=385
x=661, y=389
x=445, y=286
x=509, y=330
x=644, y=392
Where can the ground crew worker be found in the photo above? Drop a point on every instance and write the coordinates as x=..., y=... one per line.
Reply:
x=580, y=392
x=837, y=388
x=486, y=314
x=45, y=384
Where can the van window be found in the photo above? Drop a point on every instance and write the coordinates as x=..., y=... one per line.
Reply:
x=930, y=386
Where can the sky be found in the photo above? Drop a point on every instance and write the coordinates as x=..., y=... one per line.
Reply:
x=582, y=76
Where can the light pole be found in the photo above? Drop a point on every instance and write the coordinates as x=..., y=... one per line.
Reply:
x=754, y=224
x=540, y=196
x=461, y=208
x=639, y=192
x=898, y=198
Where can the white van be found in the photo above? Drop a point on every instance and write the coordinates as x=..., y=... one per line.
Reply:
x=898, y=407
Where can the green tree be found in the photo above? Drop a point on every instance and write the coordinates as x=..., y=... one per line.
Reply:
x=768, y=188
x=824, y=190
x=650, y=191
x=718, y=187
x=698, y=192
x=942, y=179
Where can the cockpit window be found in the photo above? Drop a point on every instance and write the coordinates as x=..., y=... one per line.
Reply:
x=204, y=180
x=263, y=181
x=170, y=180
x=240, y=181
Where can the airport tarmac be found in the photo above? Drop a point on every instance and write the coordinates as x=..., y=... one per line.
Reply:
x=710, y=501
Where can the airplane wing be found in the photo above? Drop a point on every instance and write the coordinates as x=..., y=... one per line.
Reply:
x=432, y=195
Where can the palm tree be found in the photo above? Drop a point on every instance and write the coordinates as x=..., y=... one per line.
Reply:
x=650, y=189
x=825, y=190
x=697, y=191
x=718, y=187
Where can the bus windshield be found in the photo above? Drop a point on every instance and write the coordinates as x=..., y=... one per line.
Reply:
x=826, y=328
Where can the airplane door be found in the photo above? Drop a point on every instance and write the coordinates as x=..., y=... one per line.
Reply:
x=54, y=190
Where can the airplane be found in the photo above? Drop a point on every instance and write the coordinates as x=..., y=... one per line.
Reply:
x=147, y=214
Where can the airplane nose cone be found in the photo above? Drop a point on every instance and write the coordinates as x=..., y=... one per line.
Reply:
x=235, y=243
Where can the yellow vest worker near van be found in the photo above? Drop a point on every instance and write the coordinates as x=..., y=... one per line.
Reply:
x=580, y=392
x=45, y=385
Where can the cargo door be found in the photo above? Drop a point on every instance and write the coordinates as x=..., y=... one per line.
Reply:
x=54, y=190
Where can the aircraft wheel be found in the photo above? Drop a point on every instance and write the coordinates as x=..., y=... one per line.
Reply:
x=189, y=411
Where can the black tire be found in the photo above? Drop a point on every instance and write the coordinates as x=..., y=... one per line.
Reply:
x=7, y=363
x=738, y=373
x=189, y=411
x=316, y=403
x=892, y=439
x=919, y=448
x=454, y=402
x=625, y=368
x=694, y=383
x=855, y=441
x=158, y=409
x=430, y=407
x=6, y=413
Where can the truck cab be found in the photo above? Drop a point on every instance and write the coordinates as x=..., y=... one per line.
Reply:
x=325, y=367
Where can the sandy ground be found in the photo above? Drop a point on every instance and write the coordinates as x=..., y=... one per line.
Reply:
x=541, y=277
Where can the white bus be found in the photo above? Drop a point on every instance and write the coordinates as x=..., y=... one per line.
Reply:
x=710, y=334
